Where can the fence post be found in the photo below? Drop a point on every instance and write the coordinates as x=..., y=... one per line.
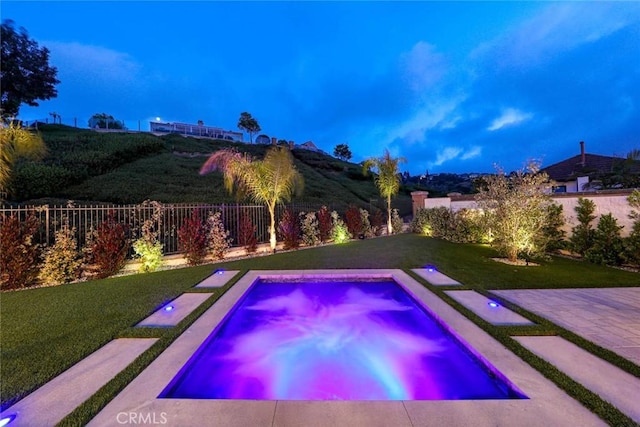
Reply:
x=46, y=226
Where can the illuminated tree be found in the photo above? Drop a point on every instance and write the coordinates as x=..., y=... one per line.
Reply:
x=387, y=179
x=249, y=124
x=270, y=181
x=518, y=208
x=17, y=142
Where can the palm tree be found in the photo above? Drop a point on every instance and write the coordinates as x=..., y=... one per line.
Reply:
x=270, y=181
x=17, y=142
x=387, y=180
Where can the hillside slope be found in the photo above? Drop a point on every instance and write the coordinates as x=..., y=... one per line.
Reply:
x=122, y=168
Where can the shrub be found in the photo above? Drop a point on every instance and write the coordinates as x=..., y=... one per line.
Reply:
x=582, y=234
x=107, y=246
x=247, y=234
x=325, y=224
x=147, y=247
x=18, y=252
x=552, y=237
x=310, y=231
x=433, y=222
x=339, y=231
x=396, y=222
x=218, y=239
x=463, y=226
x=192, y=238
x=607, y=245
x=470, y=226
x=353, y=221
x=150, y=254
x=289, y=229
x=377, y=223
x=62, y=260
x=33, y=180
x=366, y=230
x=632, y=243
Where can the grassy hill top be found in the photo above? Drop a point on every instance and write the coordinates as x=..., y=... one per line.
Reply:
x=123, y=168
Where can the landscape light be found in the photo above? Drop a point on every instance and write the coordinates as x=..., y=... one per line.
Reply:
x=493, y=304
x=7, y=420
x=169, y=308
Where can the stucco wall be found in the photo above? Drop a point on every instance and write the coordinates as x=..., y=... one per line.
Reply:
x=605, y=202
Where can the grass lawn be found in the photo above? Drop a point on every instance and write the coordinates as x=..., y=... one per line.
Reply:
x=45, y=331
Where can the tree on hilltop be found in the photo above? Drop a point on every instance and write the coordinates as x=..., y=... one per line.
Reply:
x=25, y=73
x=248, y=124
x=342, y=152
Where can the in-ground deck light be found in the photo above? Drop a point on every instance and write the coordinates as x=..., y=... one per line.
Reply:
x=493, y=304
x=169, y=308
x=431, y=268
x=7, y=420
x=219, y=271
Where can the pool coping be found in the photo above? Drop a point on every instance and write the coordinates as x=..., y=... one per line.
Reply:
x=546, y=404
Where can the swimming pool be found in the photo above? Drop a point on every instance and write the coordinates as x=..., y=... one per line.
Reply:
x=321, y=339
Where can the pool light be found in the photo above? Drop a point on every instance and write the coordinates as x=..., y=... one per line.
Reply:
x=493, y=304
x=169, y=308
x=7, y=420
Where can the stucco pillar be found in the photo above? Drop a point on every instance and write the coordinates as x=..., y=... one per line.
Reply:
x=418, y=198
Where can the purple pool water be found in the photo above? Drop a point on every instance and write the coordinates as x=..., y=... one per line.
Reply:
x=329, y=340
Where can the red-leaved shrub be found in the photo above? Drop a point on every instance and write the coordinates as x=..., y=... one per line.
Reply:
x=247, y=234
x=289, y=228
x=353, y=220
x=108, y=246
x=378, y=223
x=192, y=238
x=325, y=225
x=18, y=252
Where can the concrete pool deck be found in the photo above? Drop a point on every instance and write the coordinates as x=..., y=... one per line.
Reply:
x=49, y=404
x=609, y=382
x=610, y=317
x=546, y=404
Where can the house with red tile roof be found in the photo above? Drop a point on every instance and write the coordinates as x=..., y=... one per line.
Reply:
x=585, y=171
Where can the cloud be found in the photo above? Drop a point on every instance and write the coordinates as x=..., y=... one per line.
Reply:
x=448, y=154
x=472, y=153
x=555, y=30
x=509, y=117
x=423, y=66
x=94, y=64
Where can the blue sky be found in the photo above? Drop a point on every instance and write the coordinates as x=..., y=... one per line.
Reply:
x=451, y=86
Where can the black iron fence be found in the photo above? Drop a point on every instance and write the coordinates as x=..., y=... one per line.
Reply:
x=87, y=218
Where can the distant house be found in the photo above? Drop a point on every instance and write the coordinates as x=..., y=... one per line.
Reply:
x=195, y=130
x=263, y=139
x=575, y=173
x=309, y=145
